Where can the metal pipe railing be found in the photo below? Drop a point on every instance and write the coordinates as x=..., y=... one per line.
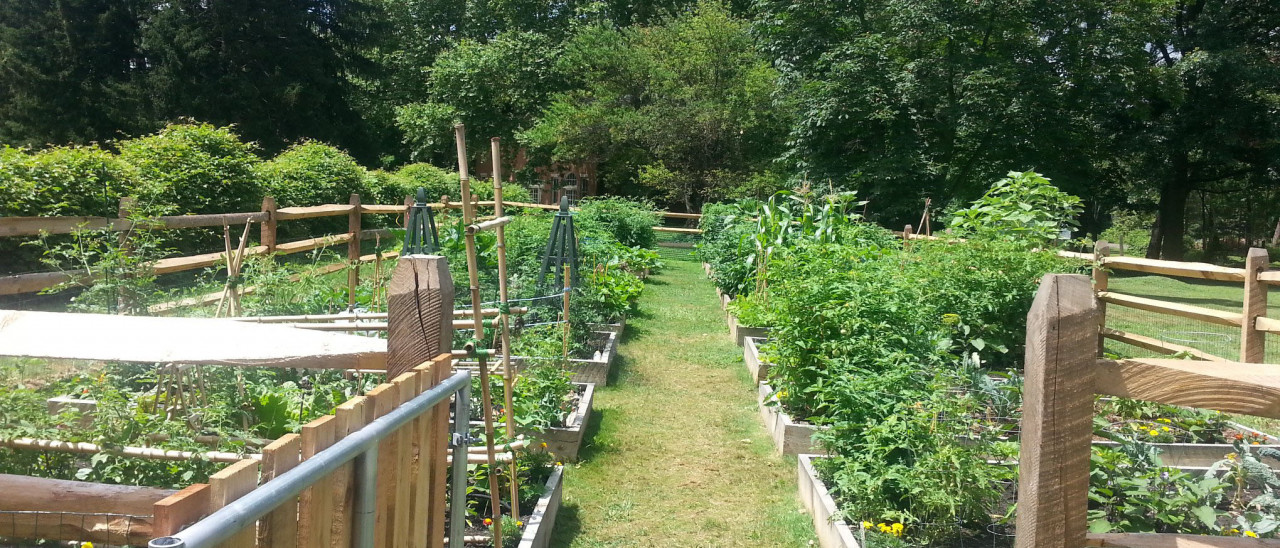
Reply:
x=361, y=446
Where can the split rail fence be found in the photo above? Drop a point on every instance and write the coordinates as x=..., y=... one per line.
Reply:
x=1062, y=377
x=268, y=219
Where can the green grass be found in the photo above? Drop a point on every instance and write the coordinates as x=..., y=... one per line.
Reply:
x=676, y=454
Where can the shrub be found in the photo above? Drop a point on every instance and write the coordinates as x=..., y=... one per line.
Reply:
x=630, y=222
x=311, y=174
x=84, y=181
x=194, y=168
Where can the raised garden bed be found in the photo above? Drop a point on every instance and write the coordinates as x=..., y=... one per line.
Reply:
x=596, y=369
x=1196, y=457
x=757, y=368
x=789, y=437
x=739, y=332
x=832, y=533
x=566, y=441
x=538, y=527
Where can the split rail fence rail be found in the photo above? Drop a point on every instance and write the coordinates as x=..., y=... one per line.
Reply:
x=268, y=219
x=1251, y=320
x=1062, y=377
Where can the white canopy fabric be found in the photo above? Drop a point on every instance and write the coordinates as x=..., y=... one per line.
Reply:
x=102, y=337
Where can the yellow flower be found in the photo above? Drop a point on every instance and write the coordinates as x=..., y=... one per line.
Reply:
x=1165, y=428
x=1166, y=421
x=87, y=545
x=519, y=524
x=1153, y=433
x=1250, y=534
x=866, y=525
x=558, y=463
x=897, y=529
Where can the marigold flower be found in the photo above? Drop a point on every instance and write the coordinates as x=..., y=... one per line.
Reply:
x=519, y=524
x=866, y=525
x=1250, y=534
x=1153, y=433
x=488, y=521
x=1165, y=428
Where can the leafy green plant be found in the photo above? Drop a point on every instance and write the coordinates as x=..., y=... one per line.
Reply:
x=1024, y=206
x=115, y=269
x=630, y=222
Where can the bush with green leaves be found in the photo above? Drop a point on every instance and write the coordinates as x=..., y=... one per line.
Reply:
x=312, y=173
x=442, y=182
x=1024, y=206
x=630, y=222
x=194, y=168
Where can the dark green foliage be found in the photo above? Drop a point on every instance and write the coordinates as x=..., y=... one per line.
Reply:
x=311, y=174
x=194, y=168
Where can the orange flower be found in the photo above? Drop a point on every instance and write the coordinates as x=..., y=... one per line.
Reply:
x=488, y=521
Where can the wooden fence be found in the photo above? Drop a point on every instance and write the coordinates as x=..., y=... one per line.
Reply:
x=268, y=219
x=1062, y=377
x=411, y=464
x=1251, y=320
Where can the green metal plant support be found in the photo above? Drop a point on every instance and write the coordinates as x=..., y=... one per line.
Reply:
x=420, y=235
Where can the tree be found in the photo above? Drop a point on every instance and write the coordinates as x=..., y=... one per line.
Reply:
x=686, y=104
x=278, y=70
x=69, y=71
x=496, y=88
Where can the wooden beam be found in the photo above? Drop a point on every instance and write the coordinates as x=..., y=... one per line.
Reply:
x=672, y=215
x=25, y=493
x=677, y=230
x=150, y=453
x=226, y=486
x=17, y=284
x=1156, y=345
x=1100, y=280
x=145, y=339
x=1201, y=271
x=375, y=208
x=1057, y=421
x=419, y=312
x=34, y=226
x=327, y=210
x=1075, y=255
x=1253, y=343
x=1156, y=540
x=269, y=224
x=315, y=524
x=1230, y=387
x=181, y=509
x=1232, y=319
x=279, y=529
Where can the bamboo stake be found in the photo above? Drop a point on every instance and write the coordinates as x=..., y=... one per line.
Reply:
x=468, y=214
x=509, y=375
x=135, y=452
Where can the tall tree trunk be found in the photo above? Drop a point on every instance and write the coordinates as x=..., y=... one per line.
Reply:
x=1173, y=209
x=1157, y=236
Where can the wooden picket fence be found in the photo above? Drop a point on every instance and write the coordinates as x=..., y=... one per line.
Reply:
x=1062, y=377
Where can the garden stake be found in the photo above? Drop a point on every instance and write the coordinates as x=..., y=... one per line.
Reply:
x=504, y=311
x=468, y=214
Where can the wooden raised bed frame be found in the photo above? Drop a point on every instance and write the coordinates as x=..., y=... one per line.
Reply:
x=537, y=532
x=757, y=369
x=565, y=442
x=596, y=369
x=815, y=497
x=789, y=437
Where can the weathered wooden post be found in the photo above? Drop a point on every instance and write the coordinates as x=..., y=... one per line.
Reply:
x=1057, y=415
x=419, y=312
x=353, y=250
x=269, y=224
x=1253, y=348
x=1101, y=250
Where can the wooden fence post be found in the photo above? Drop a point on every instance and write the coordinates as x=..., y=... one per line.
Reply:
x=353, y=250
x=1057, y=420
x=408, y=203
x=419, y=312
x=1253, y=348
x=1101, y=250
x=269, y=224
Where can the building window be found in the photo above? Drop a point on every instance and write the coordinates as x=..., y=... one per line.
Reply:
x=570, y=188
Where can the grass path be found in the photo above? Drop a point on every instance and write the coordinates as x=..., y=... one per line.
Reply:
x=676, y=454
